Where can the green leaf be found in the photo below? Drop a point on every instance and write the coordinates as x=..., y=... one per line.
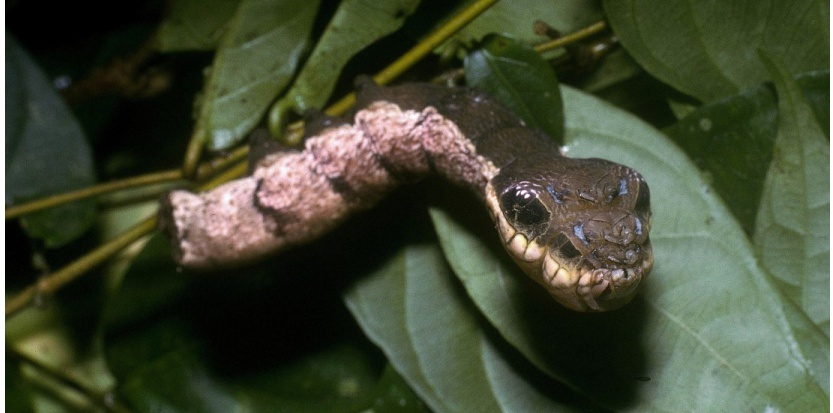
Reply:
x=445, y=336
x=707, y=49
x=792, y=235
x=511, y=381
x=257, y=56
x=517, y=18
x=521, y=79
x=732, y=139
x=378, y=304
x=195, y=24
x=707, y=309
x=412, y=308
x=356, y=24
x=46, y=152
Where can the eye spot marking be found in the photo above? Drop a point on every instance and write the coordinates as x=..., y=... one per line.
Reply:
x=522, y=207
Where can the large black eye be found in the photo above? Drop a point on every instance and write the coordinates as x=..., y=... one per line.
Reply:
x=643, y=200
x=522, y=206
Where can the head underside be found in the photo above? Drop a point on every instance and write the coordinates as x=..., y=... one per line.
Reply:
x=579, y=227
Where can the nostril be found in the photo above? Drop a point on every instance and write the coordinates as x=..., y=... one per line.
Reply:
x=566, y=247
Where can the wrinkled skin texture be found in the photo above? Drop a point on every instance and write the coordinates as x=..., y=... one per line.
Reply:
x=579, y=227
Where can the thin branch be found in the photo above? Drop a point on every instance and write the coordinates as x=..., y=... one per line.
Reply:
x=572, y=37
x=92, y=191
x=205, y=170
x=52, y=283
x=419, y=51
x=235, y=171
x=563, y=41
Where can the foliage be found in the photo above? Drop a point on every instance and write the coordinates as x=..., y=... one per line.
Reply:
x=45, y=151
x=414, y=306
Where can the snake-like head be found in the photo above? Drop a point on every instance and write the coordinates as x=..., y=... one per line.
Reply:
x=579, y=227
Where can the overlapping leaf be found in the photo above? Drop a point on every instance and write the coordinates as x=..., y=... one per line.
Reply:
x=411, y=308
x=708, y=317
x=195, y=24
x=525, y=86
x=732, y=140
x=46, y=152
x=257, y=56
x=356, y=24
x=792, y=234
x=708, y=49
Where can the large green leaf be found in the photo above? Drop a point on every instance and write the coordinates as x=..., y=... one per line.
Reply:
x=445, y=336
x=707, y=317
x=412, y=308
x=792, y=235
x=46, y=152
x=356, y=24
x=707, y=49
x=378, y=304
x=732, y=139
x=257, y=56
x=195, y=24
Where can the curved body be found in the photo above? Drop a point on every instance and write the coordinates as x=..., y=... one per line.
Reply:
x=579, y=227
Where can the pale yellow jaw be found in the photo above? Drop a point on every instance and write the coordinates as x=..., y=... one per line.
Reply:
x=579, y=288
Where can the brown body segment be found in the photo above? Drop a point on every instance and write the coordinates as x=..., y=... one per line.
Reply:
x=577, y=226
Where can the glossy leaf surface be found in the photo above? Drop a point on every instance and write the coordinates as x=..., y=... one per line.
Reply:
x=521, y=79
x=257, y=56
x=356, y=24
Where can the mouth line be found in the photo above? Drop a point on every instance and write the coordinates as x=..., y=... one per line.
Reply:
x=583, y=288
x=580, y=287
